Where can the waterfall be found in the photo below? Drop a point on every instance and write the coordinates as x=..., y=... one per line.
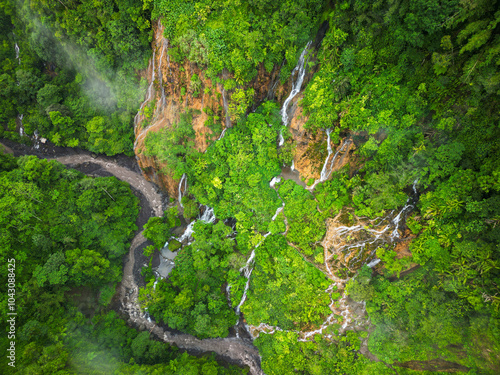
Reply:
x=409, y=205
x=228, y=294
x=349, y=242
x=188, y=232
x=21, y=127
x=153, y=70
x=293, y=165
x=222, y=134
x=160, y=74
x=274, y=181
x=36, y=140
x=324, y=175
x=282, y=140
x=373, y=263
x=148, y=95
x=278, y=211
x=183, y=178
x=16, y=47
x=247, y=271
x=328, y=166
x=207, y=217
x=300, y=68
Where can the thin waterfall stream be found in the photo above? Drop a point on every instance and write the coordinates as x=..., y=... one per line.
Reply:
x=300, y=70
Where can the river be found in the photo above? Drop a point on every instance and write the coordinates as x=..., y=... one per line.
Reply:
x=235, y=350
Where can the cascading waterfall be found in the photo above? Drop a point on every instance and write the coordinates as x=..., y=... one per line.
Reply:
x=183, y=178
x=340, y=238
x=208, y=217
x=324, y=173
x=16, y=47
x=36, y=140
x=160, y=74
x=409, y=205
x=153, y=71
x=228, y=294
x=278, y=211
x=248, y=268
x=148, y=92
x=275, y=180
x=300, y=68
x=293, y=165
x=247, y=271
x=373, y=263
x=21, y=127
x=328, y=165
x=222, y=134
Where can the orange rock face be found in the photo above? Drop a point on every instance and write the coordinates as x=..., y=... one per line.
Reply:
x=168, y=96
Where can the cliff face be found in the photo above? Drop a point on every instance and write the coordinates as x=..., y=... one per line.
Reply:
x=170, y=93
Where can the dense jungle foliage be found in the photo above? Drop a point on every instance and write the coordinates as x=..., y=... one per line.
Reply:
x=69, y=71
x=67, y=234
x=414, y=84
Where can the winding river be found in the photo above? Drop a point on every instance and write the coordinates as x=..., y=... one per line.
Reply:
x=235, y=350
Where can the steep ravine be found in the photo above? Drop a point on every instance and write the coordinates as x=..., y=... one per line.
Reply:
x=235, y=350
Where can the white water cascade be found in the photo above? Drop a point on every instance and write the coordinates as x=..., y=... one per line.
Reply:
x=160, y=74
x=300, y=68
x=248, y=268
x=247, y=271
x=208, y=217
x=409, y=205
x=222, y=134
x=324, y=173
x=148, y=92
x=16, y=47
x=21, y=127
x=328, y=165
x=164, y=46
x=183, y=179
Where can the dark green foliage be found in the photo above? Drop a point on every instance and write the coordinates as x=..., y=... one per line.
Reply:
x=233, y=175
x=67, y=236
x=174, y=145
x=75, y=77
x=157, y=229
x=307, y=225
x=282, y=355
x=285, y=290
x=239, y=36
x=359, y=288
x=416, y=86
x=414, y=318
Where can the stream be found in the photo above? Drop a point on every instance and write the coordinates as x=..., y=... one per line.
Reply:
x=234, y=350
